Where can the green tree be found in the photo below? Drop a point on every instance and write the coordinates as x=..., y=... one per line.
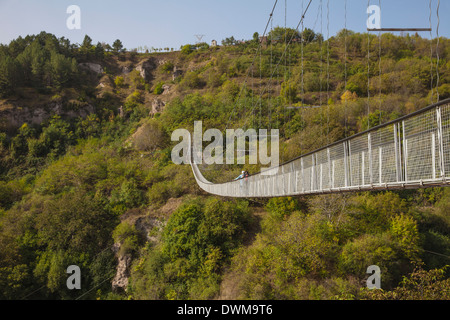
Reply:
x=288, y=92
x=159, y=88
x=75, y=222
x=280, y=34
x=119, y=81
x=8, y=76
x=128, y=238
x=192, y=81
x=99, y=51
x=309, y=35
x=19, y=144
x=56, y=137
x=281, y=207
x=62, y=69
x=419, y=285
x=231, y=41
x=187, y=49
x=405, y=230
x=117, y=46
x=87, y=42
x=256, y=37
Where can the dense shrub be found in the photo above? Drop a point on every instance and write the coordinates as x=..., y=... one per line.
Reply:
x=197, y=243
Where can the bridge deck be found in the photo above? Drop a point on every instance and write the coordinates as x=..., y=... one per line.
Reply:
x=410, y=152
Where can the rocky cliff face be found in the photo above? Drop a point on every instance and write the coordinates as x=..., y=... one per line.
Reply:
x=145, y=225
x=120, y=281
x=93, y=67
x=12, y=116
x=146, y=68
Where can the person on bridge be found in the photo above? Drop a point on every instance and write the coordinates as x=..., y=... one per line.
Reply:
x=244, y=174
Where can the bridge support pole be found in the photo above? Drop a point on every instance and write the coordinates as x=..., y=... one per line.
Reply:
x=397, y=153
x=441, y=141
x=345, y=163
x=405, y=154
x=369, y=143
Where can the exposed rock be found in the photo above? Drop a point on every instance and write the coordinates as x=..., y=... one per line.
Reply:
x=166, y=89
x=127, y=69
x=120, y=281
x=162, y=62
x=157, y=106
x=176, y=73
x=16, y=116
x=94, y=67
x=146, y=225
x=146, y=68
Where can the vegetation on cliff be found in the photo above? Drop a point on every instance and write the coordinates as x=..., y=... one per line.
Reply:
x=72, y=187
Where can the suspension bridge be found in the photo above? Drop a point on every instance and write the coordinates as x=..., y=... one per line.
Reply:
x=407, y=153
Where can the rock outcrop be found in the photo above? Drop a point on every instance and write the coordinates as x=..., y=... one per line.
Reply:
x=157, y=106
x=120, y=281
x=176, y=73
x=145, y=225
x=93, y=67
x=15, y=116
x=146, y=68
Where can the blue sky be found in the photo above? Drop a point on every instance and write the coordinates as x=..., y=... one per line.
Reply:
x=172, y=23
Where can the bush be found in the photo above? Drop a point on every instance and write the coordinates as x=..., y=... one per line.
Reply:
x=405, y=231
x=137, y=80
x=127, y=197
x=192, y=81
x=381, y=250
x=159, y=88
x=280, y=208
x=119, y=82
x=133, y=100
x=150, y=136
x=419, y=285
x=12, y=191
x=187, y=49
x=168, y=67
x=299, y=248
x=197, y=243
x=162, y=191
x=128, y=238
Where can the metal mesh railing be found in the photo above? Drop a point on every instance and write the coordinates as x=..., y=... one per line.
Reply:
x=411, y=152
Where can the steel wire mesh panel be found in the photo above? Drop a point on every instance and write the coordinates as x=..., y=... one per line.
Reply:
x=292, y=177
x=359, y=160
x=384, y=154
x=285, y=181
x=307, y=169
x=299, y=176
x=413, y=151
x=420, y=133
x=445, y=123
x=323, y=169
x=338, y=166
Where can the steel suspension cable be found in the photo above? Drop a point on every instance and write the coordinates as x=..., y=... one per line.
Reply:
x=368, y=73
x=345, y=66
x=328, y=71
x=431, y=53
x=379, y=72
x=288, y=44
x=250, y=70
x=437, y=51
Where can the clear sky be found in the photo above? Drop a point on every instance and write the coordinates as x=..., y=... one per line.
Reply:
x=172, y=23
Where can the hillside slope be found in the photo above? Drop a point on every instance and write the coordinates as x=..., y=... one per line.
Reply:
x=86, y=176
